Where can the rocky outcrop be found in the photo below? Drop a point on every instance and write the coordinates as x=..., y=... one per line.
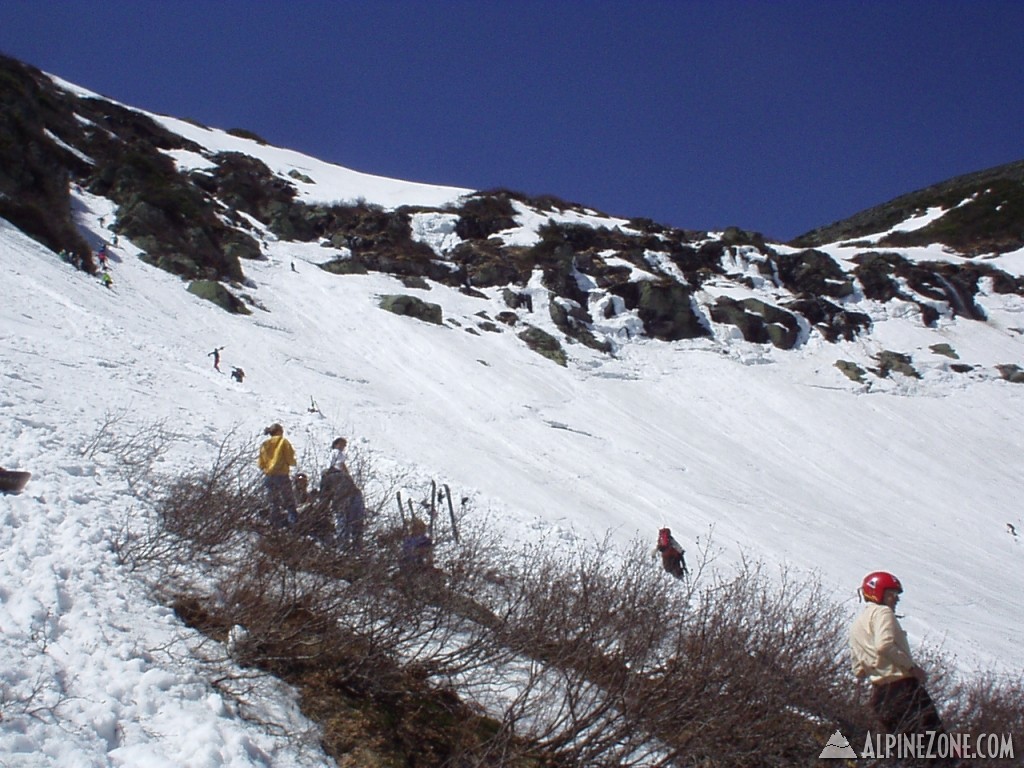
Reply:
x=543, y=343
x=206, y=224
x=665, y=307
x=758, y=322
x=411, y=306
x=214, y=292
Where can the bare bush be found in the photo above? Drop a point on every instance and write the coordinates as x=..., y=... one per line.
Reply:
x=194, y=519
x=134, y=448
x=490, y=657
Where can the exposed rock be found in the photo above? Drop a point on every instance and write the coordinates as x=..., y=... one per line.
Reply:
x=834, y=322
x=945, y=350
x=484, y=215
x=543, y=343
x=201, y=224
x=575, y=322
x=812, y=273
x=412, y=306
x=851, y=370
x=485, y=263
x=890, y=362
x=344, y=267
x=517, y=299
x=1012, y=373
x=666, y=309
x=758, y=322
x=416, y=282
x=875, y=271
x=213, y=291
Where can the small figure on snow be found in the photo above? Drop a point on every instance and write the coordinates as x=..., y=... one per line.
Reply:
x=237, y=374
x=277, y=457
x=672, y=554
x=107, y=280
x=216, y=358
x=101, y=254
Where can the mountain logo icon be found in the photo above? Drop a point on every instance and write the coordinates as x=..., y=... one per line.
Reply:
x=837, y=746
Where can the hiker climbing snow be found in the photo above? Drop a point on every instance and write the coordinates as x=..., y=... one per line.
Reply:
x=672, y=554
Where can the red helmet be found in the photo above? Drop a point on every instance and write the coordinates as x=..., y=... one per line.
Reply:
x=874, y=585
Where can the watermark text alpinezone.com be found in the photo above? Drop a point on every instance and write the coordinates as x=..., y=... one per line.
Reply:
x=931, y=745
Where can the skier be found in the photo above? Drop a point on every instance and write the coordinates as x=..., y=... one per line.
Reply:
x=216, y=358
x=107, y=280
x=276, y=459
x=881, y=653
x=237, y=374
x=101, y=254
x=672, y=554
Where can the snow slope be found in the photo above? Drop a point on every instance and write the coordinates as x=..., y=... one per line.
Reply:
x=777, y=452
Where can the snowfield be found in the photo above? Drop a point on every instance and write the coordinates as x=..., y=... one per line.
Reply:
x=777, y=453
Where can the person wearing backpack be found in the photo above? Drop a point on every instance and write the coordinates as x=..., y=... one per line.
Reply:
x=672, y=554
x=340, y=491
x=277, y=457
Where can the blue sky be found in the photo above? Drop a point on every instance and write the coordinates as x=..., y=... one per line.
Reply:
x=772, y=116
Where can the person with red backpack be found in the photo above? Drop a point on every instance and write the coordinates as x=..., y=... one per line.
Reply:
x=672, y=555
x=881, y=653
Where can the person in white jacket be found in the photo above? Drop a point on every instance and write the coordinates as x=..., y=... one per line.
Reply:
x=881, y=653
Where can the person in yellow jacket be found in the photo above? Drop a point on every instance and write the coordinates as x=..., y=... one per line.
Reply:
x=277, y=457
x=881, y=653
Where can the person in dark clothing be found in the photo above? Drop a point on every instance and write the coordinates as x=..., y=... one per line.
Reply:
x=347, y=506
x=237, y=374
x=672, y=554
x=417, y=548
x=216, y=358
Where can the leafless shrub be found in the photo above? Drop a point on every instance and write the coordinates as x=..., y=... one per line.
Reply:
x=492, y=657
x=195, y=518
x=989, y=703
x=37, y=689
x=757, y=660
x=134, y=448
